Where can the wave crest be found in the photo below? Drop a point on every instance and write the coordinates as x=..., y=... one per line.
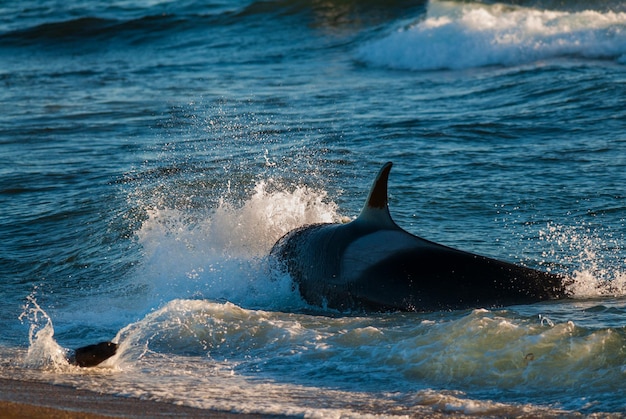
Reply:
x=465, y=35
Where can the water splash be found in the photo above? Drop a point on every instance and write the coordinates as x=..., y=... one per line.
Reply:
x=43, y=351
x=597, y=256
x=222, y=254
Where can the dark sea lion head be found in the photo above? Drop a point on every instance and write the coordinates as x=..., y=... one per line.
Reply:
x=92, y=355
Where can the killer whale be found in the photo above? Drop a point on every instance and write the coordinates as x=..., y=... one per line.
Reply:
x=371, y=264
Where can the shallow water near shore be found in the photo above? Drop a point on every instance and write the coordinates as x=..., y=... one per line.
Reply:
x=153, y=152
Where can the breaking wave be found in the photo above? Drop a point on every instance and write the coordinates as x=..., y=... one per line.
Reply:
x=458, y=35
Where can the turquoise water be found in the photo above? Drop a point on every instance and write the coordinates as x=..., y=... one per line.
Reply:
x=152, y=153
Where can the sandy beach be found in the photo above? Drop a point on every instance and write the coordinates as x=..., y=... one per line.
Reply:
x=29, y=399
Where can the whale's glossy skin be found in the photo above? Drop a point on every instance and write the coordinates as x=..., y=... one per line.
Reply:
x=371, y=264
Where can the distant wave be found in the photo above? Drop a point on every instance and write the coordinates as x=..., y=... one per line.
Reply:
x=455, y=35
x=74, y=28
x=137, y=24
x=89, y=28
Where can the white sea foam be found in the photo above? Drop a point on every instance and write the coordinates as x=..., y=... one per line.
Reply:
x=223, y=254
x=457, y=35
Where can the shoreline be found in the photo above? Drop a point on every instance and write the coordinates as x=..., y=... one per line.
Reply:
x=35, y=399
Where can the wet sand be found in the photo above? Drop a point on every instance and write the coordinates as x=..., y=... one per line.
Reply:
x=29, y=399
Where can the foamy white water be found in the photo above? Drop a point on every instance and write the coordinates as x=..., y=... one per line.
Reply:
x=457, y=35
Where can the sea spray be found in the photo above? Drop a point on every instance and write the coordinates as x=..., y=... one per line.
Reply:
x=43, y=351
x=593, y=255
x=222, y=253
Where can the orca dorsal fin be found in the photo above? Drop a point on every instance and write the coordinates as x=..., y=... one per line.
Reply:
x=376, y=209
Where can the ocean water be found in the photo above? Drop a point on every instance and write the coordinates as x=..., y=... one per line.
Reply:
x=151, y=153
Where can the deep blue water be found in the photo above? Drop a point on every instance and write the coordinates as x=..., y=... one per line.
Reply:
x=152, y=152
